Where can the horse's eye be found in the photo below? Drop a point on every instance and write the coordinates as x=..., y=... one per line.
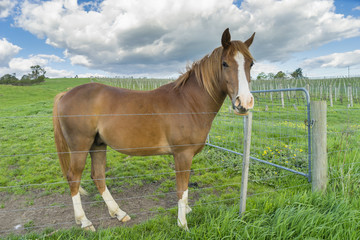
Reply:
x=225, y=64
x=252, y=64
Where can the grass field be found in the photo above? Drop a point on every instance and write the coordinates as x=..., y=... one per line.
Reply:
x=280, y=206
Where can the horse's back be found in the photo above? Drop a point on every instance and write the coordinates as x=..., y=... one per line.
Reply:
x=93, y=99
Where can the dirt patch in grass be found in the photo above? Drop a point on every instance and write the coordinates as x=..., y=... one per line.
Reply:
x=37, y=210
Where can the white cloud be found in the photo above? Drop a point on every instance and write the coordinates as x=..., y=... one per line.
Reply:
x=337, y=60
x=21, y=66
x=263, y=67
x=287, y=27
x=356, y=8
x=139, y=36
x=7, y=51
x=50, y=58
x=80, y=60
x=6, y=6
x=56, y=73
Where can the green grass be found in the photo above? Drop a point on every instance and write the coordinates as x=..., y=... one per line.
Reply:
x=280, y=205
x=26, y=133
x=279, y=216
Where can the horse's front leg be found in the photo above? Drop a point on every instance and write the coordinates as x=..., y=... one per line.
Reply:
x=183, y=162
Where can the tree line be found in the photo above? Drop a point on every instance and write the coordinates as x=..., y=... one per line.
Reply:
x=36, y=76
x=298, y=73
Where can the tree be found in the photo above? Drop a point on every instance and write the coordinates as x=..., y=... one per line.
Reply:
x=280, y=75
x=271, y=76
x=36, y=76
x=261, y=76
x=8, y=79
x=37, y=71
x=26, y=77
x=297, y=73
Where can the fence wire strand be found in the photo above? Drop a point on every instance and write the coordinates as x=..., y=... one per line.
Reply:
x=265, y=111
x=201, y=203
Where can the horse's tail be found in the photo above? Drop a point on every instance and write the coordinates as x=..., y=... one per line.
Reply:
x=62, y=147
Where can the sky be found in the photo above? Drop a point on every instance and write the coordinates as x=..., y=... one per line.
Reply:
x=159, y=38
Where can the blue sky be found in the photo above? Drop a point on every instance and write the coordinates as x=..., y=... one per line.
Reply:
x=347, y=8
x=158, y=38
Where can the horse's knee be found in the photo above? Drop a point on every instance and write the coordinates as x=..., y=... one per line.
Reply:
x=99, y=181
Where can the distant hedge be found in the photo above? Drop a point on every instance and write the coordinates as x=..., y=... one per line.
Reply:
x=24, y=81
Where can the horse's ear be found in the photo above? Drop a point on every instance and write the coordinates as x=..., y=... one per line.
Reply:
x=226, y=38
x=250, y=40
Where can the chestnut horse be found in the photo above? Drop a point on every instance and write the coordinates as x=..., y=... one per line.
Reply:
x=172, y=119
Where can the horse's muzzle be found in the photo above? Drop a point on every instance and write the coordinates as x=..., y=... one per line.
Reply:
x=242, y=105
x=240, y=110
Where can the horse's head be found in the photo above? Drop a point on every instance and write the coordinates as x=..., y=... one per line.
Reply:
x=236, y=64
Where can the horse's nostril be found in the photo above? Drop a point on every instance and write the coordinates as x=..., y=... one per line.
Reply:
x=237, y=102
x=242, y=109
x=239, y=108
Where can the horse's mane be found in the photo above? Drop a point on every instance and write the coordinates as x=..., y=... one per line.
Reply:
x=208, y=69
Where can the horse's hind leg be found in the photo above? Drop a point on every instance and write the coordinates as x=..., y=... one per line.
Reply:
x=77, y=164
x=98, y=162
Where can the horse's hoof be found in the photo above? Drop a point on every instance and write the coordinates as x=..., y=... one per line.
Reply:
x=188, y=209
x=90, y=228
x=126, y=218
x=183, y=226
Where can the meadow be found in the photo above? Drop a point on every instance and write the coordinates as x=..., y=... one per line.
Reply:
x=280, y=204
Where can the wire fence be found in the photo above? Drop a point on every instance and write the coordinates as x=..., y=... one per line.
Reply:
x=65, y=208
x=28, y=187
x=24, y=218
x=149, y=212
x=338, y=91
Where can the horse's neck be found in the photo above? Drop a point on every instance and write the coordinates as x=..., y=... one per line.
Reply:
x=198, y=98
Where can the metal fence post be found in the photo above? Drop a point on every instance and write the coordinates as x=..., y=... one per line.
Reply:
x=350, y=96
x=282, y=97
x=246, y=158
x=319, y=161
x=330, y=96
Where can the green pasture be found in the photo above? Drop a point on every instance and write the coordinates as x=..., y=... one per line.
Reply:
x=280, y=204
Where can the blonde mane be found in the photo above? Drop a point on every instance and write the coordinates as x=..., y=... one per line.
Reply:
x=208, y=69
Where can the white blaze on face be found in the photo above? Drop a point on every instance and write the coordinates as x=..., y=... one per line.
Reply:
x=244, y=95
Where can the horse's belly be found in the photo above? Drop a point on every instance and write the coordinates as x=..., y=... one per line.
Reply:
x=142, y=146
x=145, y=152
x=137, y=140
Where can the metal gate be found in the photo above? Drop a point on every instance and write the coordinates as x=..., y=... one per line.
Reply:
x=280, y=132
